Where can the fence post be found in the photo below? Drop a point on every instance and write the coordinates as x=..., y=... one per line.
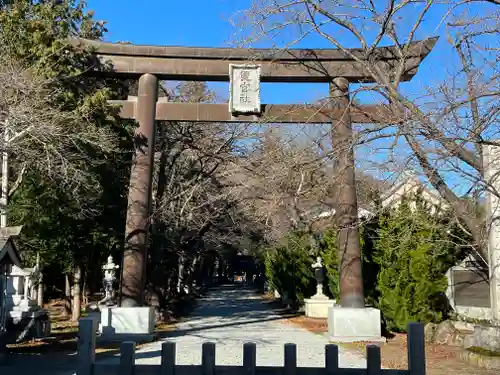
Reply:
x=208, y=358
x=416, y=349
x=331, y=359
x=168, y=358
x=127, y=358
x=249, y=358
x=290, y=359
x=373, y=360
x=86, y=346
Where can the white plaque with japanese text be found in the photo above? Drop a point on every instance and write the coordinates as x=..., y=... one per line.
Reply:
x=244, y=89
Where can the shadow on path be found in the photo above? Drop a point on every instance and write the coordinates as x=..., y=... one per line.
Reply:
x=224, y=307
x=228, y=315
x=257, y=319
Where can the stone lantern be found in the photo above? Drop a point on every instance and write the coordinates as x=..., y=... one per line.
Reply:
x=317, y=306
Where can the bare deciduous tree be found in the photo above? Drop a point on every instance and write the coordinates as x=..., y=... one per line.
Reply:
x=285, y=181
x=40, y=134
x=193, y=205
x=442, y=129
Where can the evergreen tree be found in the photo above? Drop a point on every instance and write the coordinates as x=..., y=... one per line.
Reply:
x=288, y=267
x=413, y=252
x=328, y=253
x=73, y=222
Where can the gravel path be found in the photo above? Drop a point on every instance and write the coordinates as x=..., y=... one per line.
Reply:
x=230, y=316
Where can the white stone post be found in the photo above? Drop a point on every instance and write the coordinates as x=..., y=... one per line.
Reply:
x=4, y=192
x=39, y=293
x=26, y=294
x=37, y=271
x=492, y=178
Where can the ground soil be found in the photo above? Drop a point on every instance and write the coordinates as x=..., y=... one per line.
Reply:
x=440, y=359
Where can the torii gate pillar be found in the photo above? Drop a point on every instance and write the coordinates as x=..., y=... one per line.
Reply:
x=346, y=201
x=140, y=195
x=352, y=321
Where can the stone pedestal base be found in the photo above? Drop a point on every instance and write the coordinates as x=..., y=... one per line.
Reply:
x=318, y=306
x=351, y=325
x=127, y=321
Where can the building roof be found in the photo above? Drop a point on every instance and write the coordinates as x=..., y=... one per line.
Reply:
x=8, y=252
x=406, y=185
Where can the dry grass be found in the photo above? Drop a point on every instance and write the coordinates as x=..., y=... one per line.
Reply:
x=313, y=325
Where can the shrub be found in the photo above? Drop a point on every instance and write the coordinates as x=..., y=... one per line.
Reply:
x=412, y=252
x=288, y=267
x=405, y=255
x=328, y=252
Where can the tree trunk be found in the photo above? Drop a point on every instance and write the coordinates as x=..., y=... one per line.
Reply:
x=77, y=301
x=67, y=296
x=180, y=274
x=85, y=290
x=192, y=278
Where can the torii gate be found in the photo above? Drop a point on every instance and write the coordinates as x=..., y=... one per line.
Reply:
x=153, y=63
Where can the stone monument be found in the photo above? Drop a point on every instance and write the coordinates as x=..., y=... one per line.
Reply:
x=317, y=306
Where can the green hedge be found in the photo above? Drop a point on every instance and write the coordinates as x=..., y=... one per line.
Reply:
x=328, y=252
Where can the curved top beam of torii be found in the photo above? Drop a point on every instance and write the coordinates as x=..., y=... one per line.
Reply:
x=291, y=65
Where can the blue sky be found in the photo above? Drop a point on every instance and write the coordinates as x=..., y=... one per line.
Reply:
x=206, y=23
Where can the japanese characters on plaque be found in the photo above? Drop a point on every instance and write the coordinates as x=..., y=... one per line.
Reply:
x=244, y=89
